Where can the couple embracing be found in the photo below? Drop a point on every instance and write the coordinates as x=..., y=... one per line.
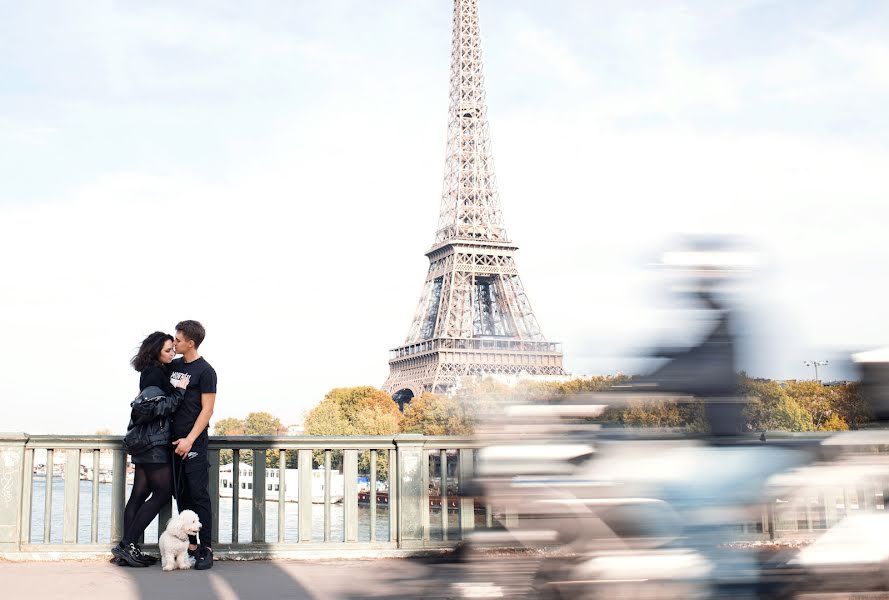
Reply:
x=167, y=438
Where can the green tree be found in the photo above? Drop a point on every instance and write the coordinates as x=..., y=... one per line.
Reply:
x=853, y=406
x=831, y=408
x=266, y=424
x=362, y=410
x=817, y=400
x=229, y=426
x=256, y=423
x=226, y=427
x=432, y=414
x=770, y=408
x=262, y=423
x=597, y=383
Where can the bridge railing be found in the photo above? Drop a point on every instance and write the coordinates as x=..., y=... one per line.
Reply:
x=64, y=496
x=334, y=494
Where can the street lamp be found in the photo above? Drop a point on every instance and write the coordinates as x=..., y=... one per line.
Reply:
x=816, y=364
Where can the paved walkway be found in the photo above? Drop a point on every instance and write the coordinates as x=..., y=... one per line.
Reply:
x=227, y=580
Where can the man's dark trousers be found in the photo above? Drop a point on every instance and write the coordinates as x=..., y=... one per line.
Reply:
x=193, y=493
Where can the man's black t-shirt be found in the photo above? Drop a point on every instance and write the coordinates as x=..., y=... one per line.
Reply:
x=203, y=381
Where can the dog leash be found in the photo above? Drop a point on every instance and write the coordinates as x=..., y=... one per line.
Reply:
x=175, y=477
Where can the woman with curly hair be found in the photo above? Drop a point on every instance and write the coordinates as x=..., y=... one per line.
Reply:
x=148, y=440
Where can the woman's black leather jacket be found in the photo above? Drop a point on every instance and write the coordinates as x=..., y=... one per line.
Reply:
x=150, y=423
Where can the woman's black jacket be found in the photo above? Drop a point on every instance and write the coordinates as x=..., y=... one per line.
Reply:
x=149, y=433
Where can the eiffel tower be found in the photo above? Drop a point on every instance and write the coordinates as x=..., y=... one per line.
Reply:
x=473, y=317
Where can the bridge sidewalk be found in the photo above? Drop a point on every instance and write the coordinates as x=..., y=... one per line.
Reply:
x=228, y=580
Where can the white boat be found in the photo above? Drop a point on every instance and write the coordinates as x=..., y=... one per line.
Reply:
x=58, y=470
x=273, y=482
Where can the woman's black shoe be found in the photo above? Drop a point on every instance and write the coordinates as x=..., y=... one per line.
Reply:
x=147, y=559
x=129, y=554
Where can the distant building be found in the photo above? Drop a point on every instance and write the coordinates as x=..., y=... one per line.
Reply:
x=294, y=430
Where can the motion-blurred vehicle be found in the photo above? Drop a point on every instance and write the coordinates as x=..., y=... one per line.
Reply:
x=605, y=512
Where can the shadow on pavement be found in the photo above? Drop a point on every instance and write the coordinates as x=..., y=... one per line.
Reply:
x=227, y=580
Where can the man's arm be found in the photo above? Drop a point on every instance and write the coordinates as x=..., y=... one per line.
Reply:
x=183, y=445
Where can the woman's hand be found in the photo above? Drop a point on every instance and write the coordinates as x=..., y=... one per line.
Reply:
x=181, y=383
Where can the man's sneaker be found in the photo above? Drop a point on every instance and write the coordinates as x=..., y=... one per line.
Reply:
x=128, y=554
x=204, y=560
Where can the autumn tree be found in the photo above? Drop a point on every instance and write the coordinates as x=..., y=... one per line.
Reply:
x=853, y=406
x=830, y=408
x=262, y=423
x=433, y=414
x=362, y=410
x=770, y=408
x=256, y=423
x=578, y=385
x=229, y=426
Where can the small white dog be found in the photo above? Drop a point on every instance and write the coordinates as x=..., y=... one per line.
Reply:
x=173, y=543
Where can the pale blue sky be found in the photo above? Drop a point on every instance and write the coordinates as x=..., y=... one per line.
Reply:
x=275, y=169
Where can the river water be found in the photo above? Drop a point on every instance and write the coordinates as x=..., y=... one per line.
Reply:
x=245, y=509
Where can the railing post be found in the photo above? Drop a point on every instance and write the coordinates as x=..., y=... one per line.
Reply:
x=282, y=494
x=350, y=495
x=27, y=495
x=467, y=503
x=410, y=453
x=94, y=522
x=236, y=494
x=71, y=514
x=424, y=495
x=118, y=493
x=327, y=495
x=392, y=477
x=372, y=497
x=213, y=458
x=13, y=480
x=47, y=496
x=259, y=496
x=443, y=492
x=304, y=471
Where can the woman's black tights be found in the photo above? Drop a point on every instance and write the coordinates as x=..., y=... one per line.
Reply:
x=155, y=480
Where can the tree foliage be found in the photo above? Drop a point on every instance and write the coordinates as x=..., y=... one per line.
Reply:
x=367, y=411
x=229, y=426
x=262, y=423
x=433, y=414
x=803, y=405
x=362, y=410
x=770, y=408
x=256, y=423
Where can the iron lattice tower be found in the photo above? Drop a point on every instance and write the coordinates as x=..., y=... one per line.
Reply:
x=473, y=317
